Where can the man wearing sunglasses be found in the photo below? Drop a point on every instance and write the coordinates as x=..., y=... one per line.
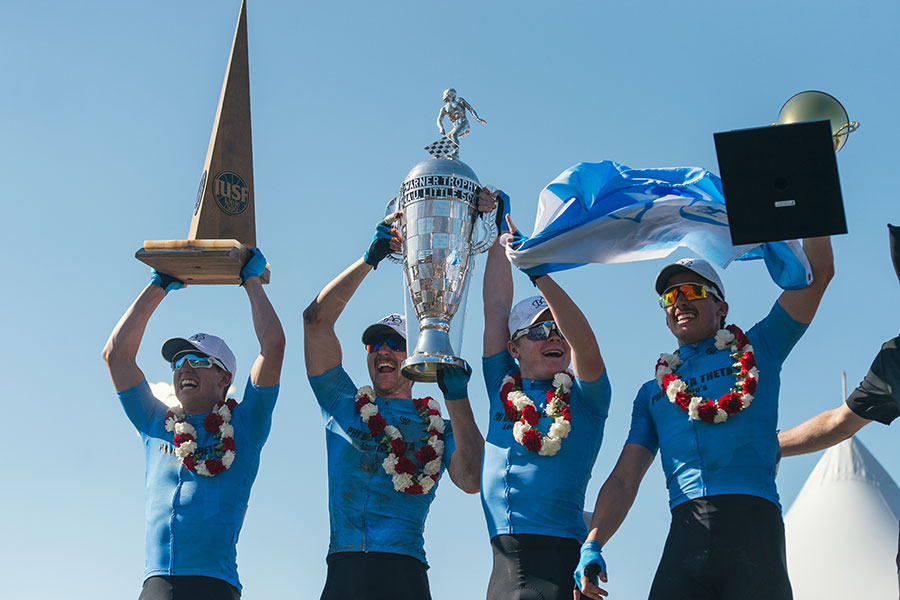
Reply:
x=386, y=453
x=712, y=414
x=202, y=456
x=545, y=430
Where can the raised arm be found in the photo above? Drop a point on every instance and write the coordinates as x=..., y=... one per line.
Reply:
x=497, y=291
x=121, y=348
x=321, y=347
x=613, y=503
x=465, y=464
x=266, y=370
x=822, y=431
x=472, y=110
x=586, y=359
x=801, y=305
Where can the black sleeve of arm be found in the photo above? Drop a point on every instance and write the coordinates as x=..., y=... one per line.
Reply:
x=877, y=398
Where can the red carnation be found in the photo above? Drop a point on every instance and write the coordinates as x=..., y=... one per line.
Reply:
x=531, y=415
x=426, y=454
x=212, y=421
x=505, y=389
x=361, y=402
x=549, y=395
x=189, y=463
x=414, y=489
x=228, y=443
x=682, y=400
x=739, y=338
x=731, y=403
x=433, y=412
x=667, y=379
x=169, y=415
x=214, y=466
x=748, y=361
x=532, y=440
x=181, y=438
x=404, y=465
x=376, y=424
x=231, y=403
x=749, y=385
x=398, y=446
x=511, y=413
x=435, y=477
x=707, y=411
x=567, y=415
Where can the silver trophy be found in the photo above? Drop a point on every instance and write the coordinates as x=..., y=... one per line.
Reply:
x=442, y=230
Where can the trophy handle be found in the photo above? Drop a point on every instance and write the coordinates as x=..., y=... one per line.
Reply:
x=392, y=207
x=484, y=231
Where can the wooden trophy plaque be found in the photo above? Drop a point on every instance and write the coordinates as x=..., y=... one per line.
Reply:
x=223, y=226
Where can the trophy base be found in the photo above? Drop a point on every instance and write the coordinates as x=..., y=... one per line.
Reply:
x=424, y=368
x=198, y=262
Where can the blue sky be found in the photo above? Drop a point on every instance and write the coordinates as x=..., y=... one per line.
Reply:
x=105, y=115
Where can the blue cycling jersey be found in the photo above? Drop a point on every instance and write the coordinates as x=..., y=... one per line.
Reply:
x=735, y=457
x=523, y=492
x=366, y=513
x=193, y=521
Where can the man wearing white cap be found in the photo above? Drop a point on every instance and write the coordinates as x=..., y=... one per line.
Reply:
x=386, y=450
x=546, y=427
x=712, y=413
x=201, y=456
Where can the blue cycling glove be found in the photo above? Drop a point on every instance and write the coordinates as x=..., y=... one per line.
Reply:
x=255, y=266
x=380, y=246
x=166, y=282
x=502, y=211
x=454, y=382
x=591, y=563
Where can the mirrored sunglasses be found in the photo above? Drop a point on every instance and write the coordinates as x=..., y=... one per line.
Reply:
x=539, y=332
x=393, y=344
x=197, y=361
x=690, y=291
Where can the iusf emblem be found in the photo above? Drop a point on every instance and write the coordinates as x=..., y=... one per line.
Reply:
x=231, y=193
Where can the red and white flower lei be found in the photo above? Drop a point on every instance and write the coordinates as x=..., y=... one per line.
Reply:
x=521, y=411
x=405, y=474
x=216, y=422
x=734, y=401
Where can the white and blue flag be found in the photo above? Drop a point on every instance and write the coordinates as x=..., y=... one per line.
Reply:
x=608, y=213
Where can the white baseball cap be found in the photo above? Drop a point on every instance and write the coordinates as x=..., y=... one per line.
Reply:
x=204, y=343
x=526, y=313
x=697, y=266
x=392, y=323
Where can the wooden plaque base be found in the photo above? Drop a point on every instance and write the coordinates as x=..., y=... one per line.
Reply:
x=198, y=262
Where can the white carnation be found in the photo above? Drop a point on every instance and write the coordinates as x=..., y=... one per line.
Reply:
x=747, y=348
x=720, y=417
x=426, y=483
x=519, y=400
x=724, y=338
x=433, y=405
x=389, y=464
x=365, y=391
x=227, y=430
x=202, y=470
x=186, y=449
x=185, y=427
x=754, y=373
x=560, y=428
x=170, y=424
x=692, y=407
x=392, y=432
x=402, y=481
x=437, y=444
x=519, y=429
x=549, y=446
x=436, y=422
x=746, y=399
x=674, y=388
x=433, y=467
x=562, y=380
x=367, y=411
x=224, y=412
x=553, y=407
x=228, y=458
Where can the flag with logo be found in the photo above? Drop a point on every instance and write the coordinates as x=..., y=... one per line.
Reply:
x=608, y=213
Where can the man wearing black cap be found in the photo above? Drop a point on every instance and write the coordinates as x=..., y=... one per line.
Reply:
x=386, y=450
x=201, y=456
x=712, y=413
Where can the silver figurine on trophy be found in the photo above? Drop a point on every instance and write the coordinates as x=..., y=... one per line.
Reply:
x=442, y=231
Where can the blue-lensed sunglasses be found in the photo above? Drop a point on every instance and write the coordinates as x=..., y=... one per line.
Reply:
x=393, y=344
x=197, y=361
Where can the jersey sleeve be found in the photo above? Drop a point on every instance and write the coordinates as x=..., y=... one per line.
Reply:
x=256, y=410
x=495, y=368
x=596, y=395
x=643, y=429
x=877, y=398
x=777, y=333
x=331, y=386
x=141, y=406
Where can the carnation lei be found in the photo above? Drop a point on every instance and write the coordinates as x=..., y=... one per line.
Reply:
x=734, y=401
x=217, y=422
x=521, y=411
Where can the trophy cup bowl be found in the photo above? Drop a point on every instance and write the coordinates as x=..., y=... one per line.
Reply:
x=441, y=232
x=813, y=105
